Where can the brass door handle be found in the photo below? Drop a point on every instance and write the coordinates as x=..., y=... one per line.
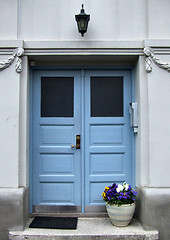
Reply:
x=77, y=146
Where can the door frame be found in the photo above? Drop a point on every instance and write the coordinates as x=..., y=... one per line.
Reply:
x=81, y=69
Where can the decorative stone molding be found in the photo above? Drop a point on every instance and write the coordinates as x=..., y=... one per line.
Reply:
x=150, y=56
x=18, y=53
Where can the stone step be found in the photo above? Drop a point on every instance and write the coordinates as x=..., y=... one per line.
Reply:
x=88, y=229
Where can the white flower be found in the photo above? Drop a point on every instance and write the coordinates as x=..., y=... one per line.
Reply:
x=119, y=188
x=126, y=186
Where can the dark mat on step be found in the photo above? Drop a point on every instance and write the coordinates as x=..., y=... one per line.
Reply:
x=54, y=222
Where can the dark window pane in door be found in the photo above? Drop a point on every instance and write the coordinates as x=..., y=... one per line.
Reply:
x=57, y=96
x=107, y=96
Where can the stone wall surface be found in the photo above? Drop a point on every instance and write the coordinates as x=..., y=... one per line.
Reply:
x=13, y=210
x=153, y=210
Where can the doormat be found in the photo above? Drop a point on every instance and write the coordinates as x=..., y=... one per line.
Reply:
x=54, y=222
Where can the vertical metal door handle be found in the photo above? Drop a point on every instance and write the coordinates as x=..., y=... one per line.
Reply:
x=77, y=146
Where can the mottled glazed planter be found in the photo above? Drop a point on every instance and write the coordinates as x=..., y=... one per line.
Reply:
x=120, y=216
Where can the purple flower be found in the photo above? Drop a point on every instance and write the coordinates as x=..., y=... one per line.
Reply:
x=126, y=195
x=114, y=186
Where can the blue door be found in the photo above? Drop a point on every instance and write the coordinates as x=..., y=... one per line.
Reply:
x=108, y=135
x=81, y=138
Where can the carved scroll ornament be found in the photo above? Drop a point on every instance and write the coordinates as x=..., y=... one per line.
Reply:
x=18, y=53
x=150, y=56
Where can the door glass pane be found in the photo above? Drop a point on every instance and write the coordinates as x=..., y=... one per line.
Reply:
x=57, y=96
x=106, y=96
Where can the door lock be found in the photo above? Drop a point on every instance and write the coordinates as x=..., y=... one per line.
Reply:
x=77, y=146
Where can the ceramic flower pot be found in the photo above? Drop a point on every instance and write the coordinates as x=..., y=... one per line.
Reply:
x=120, y=216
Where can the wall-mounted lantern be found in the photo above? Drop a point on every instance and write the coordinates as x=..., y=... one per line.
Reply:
x=82, y=21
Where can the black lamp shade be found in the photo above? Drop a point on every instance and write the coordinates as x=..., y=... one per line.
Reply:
x=82, y=21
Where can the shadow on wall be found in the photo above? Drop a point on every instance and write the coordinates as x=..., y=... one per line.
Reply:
x=153, y=210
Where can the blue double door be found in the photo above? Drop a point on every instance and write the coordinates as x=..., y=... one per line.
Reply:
x=81, y=138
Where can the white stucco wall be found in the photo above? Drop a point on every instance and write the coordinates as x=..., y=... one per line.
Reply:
x=24, y=124
x=159, y=127
x=153, y=139
x=158, y=20
x=9, y=126
x=8, y=19
x=112, y=22
x=142, y=137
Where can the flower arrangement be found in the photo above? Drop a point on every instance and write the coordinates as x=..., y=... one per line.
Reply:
x=119, y=194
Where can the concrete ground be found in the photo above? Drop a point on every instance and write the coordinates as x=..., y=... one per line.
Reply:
x=88, y=229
